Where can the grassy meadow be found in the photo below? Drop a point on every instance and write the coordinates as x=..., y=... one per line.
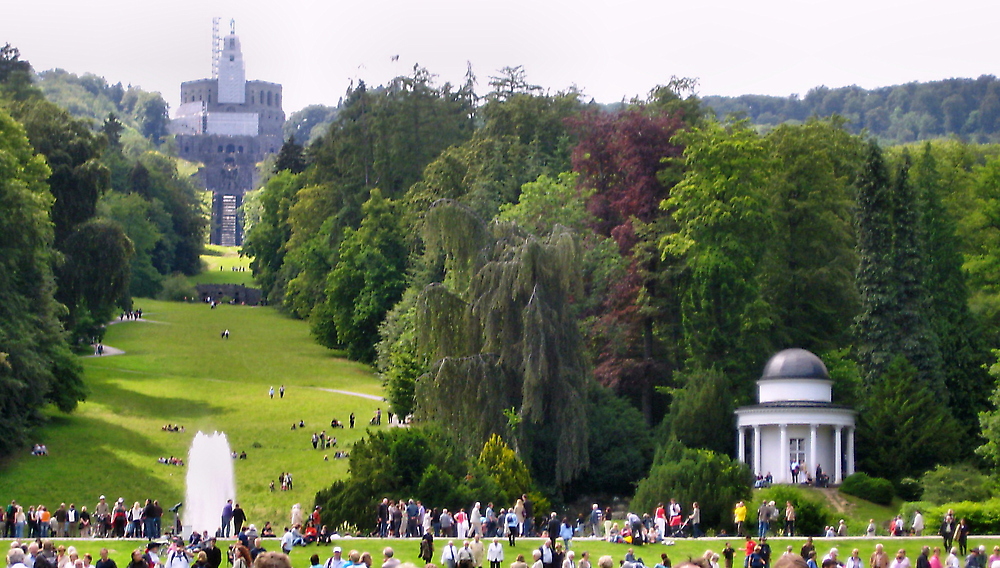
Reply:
x=218, y=267
x=178, y=370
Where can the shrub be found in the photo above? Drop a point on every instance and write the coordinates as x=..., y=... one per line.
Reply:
x=437, y=486
x=909, y=489
x=177, y=288
x=961, y=482
x=510, y=473
x=714, y=480
x=874, y=489
x=614, y=467
x=983, y=516
x=811, y=516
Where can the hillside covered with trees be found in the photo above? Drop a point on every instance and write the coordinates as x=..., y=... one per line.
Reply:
x=967, y=108
x=518, y=264
x=87, y=224
x=567, y=298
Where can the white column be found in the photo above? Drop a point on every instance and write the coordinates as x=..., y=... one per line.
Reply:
x=783, y=475
x=812, y=449
x=756, y=450
x=850, y=450
x=838, y=453
x=741, y=444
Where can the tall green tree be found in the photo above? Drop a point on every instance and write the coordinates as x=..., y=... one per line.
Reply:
x=95, y=274
x=36, y=364
x=918, y=342
x=964, y=349
x=875, y=332
x=811, y=257
x=890, y=277
x=368, y=278
x=382, y=137
x=135, y=215
x=15, y=75
x=291, y=157
x=156, y=178
x=723, y=225
x=72, y=150
x=77, y=181
x=265, y=242
x=700, y=408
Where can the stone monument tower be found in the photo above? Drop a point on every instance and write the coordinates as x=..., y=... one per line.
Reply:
x=228, y=124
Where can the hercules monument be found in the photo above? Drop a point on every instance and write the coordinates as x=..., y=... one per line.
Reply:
x=228, y=124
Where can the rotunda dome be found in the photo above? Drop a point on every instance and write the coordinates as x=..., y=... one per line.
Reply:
x=795, y=363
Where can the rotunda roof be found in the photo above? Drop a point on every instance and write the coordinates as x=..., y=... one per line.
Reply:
x=795, y=363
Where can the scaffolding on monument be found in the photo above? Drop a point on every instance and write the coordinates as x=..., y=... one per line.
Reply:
x=216, y=47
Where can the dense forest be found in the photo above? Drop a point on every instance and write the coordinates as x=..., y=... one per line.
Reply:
x=967, y=108
x=552, y=275
x=515, y=263
x=87, y=224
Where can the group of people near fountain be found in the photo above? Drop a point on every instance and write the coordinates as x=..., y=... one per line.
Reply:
x=70, y=522
x=172, y=460
x=172, y=428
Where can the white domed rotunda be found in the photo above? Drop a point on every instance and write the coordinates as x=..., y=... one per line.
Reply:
x=796, y=421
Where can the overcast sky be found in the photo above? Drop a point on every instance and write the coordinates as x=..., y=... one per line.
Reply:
x=610, y=50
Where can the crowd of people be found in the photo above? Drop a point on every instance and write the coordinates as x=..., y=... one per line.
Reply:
x=174, y=553
x=409, y=518
x=130, y=314
x=106, y=520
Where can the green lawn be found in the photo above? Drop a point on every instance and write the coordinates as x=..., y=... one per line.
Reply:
x=219, y=263
x=407, y=549
x=179, y=370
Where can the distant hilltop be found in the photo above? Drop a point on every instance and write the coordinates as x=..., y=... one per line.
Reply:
x=969, y=108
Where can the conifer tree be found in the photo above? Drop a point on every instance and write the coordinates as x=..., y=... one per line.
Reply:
x=904, y=424
x=963, y=348
x=904, y=428
x=874, y=329
x=917, y=341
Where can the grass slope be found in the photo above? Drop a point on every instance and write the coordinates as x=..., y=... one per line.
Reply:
x=180, y=371
x=219, y=263
x=854, y=510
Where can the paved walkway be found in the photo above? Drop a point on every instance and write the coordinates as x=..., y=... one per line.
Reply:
x=109, y=350
x=349, y=393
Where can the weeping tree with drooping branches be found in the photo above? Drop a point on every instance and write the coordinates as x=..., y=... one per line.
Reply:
x=502, y=331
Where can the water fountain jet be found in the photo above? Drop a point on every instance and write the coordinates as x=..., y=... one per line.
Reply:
x=210, y=482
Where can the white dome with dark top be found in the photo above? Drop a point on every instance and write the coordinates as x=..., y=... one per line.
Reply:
x=795, y=421
x=795, y=363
